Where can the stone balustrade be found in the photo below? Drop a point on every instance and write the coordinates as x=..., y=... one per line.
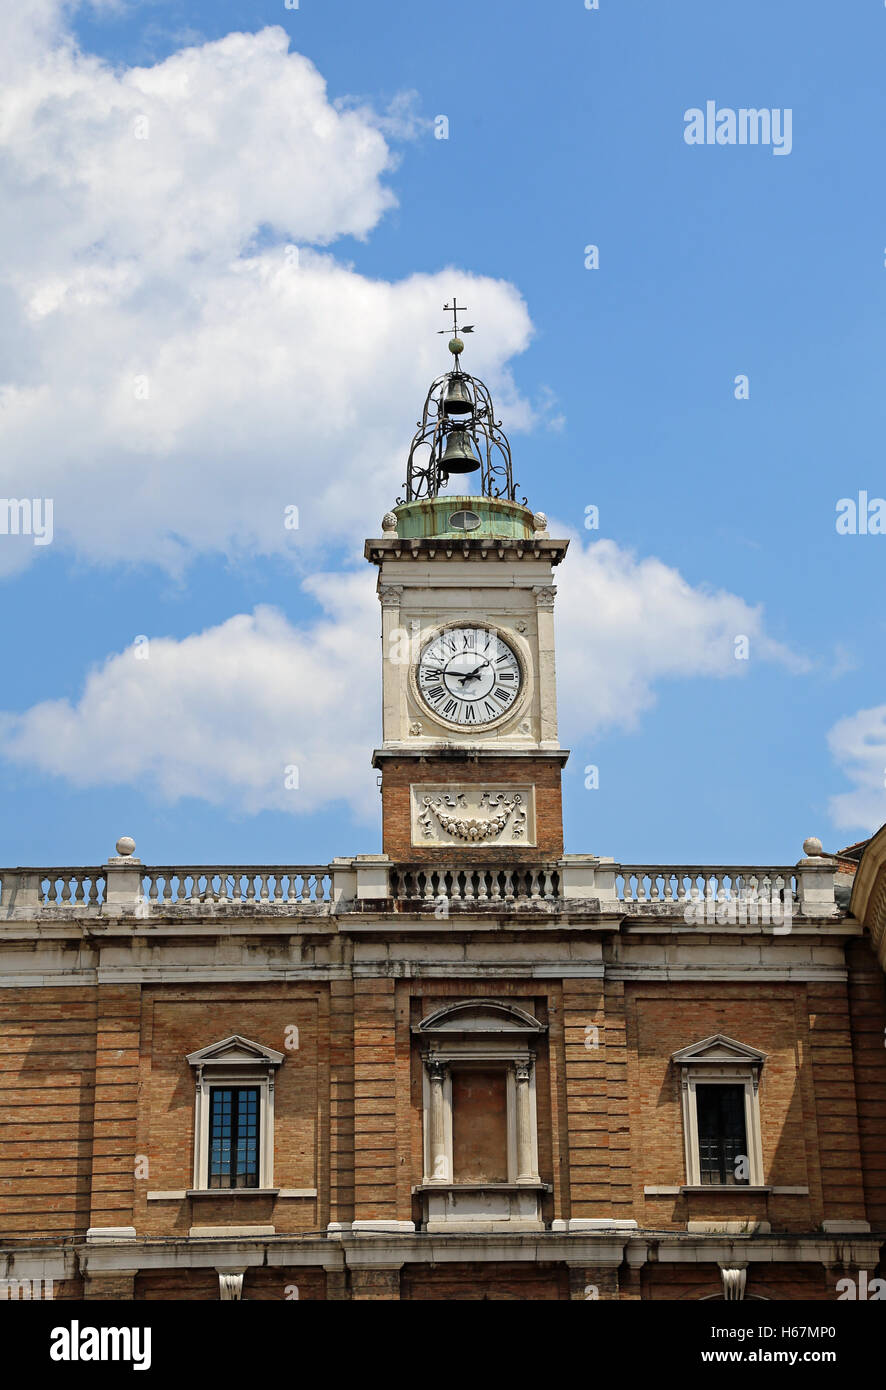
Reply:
x=489, y=883
x=305, y=884
x=699, y=894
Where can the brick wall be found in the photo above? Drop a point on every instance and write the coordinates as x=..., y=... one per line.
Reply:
x=94, y=1080
x=47, y=1092
x=399, y=773
x=496, y=1282
x=867, y=1012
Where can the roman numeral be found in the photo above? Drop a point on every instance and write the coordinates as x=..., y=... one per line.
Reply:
x=490, y=709
x=469, y=713
x=503, y=695
x=506, y=676
x=450, y=706
x=435, y=692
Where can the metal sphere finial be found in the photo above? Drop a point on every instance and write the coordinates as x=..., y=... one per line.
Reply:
x=456, y=346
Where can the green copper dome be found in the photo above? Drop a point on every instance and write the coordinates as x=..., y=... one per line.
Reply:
x=458, y=517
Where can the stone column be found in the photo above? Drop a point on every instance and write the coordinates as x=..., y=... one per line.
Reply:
x=389, y=597
x=438, y=1158
x=735, y=1278
x=525, y=1164
x=230, y=1285
x=547, y=679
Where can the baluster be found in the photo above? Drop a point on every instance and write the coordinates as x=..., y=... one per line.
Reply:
x=509, y=886
x=263, y=887
x=66, y=890
x=653, y=888
x=708, y=880
x=250, y=887
x=481, y=885
x=628, y=887
x=766, y=897
x=429, y=887
x=306, y=888
x=153, y=890
x=495, y=885
x=534, y=885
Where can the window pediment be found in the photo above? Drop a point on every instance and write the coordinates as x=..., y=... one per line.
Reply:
x=480, y=1016
x=235, y=1051
x=718, y=1050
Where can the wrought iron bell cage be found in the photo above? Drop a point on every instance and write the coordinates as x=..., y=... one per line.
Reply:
x=426, y=471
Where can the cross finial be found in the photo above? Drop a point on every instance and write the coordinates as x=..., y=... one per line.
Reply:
x=455, y=309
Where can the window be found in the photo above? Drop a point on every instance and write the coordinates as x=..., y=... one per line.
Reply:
x=234, y=1115
x=480, y=1126
x=722, y=1136
x=233, y=1136
x=719, y=1092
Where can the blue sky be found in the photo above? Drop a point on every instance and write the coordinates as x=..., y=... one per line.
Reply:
x=616, y=386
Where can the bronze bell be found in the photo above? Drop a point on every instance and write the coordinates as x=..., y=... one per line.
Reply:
x=457, y=400
x=458, y=456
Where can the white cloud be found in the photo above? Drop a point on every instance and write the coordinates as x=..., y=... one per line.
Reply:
x=180, y=358
x=220, y=714
x=625, y=624
x=858, y=745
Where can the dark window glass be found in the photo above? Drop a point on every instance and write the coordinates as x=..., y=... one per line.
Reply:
x=722, y=1137
x=233, y=1136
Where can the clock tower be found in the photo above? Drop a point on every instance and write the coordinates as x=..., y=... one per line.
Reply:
x=470, y=761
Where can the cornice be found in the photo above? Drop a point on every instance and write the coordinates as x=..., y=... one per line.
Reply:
x=476, y=548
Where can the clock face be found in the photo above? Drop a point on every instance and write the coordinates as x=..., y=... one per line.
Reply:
x=469, y=675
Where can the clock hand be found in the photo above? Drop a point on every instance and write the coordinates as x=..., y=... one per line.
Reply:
x=471, y=675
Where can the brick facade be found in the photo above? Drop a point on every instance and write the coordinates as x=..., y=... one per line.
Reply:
x=398, y=774
x=98, y=1118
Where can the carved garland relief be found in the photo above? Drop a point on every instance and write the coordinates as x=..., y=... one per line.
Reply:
x=473, y=815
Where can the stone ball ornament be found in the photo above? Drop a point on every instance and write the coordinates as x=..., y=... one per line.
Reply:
x=125, y=846
x=539, y=521
x=812, y=847
x=389, y=522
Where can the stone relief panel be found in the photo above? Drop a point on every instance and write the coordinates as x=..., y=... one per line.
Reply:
x=460, y=814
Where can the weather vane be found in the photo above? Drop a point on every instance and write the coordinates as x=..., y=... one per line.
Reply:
x=455, y=309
